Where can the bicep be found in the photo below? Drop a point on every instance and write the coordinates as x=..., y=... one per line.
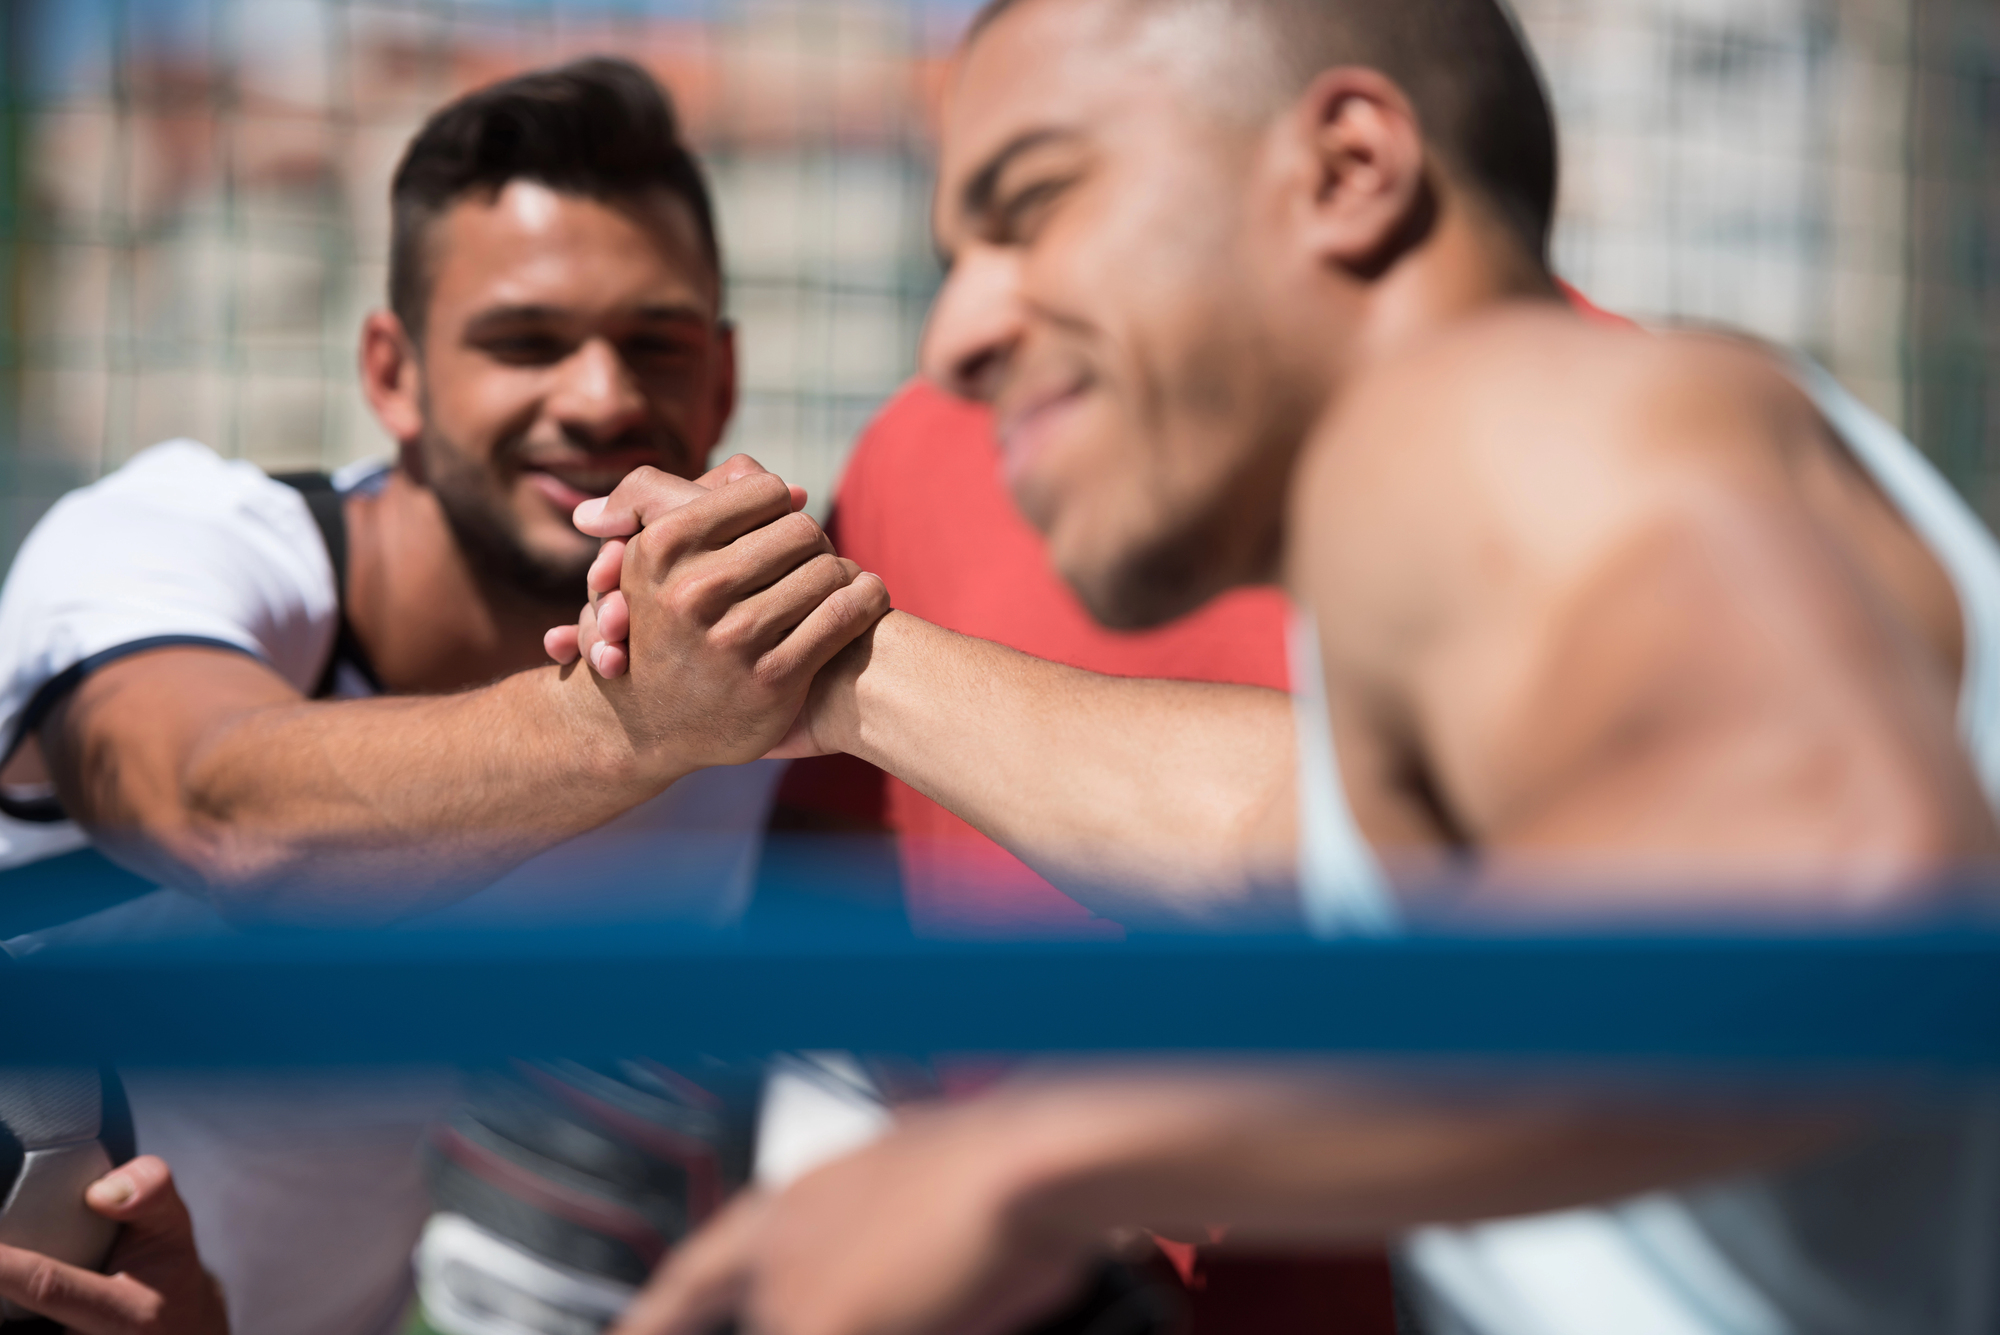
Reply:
x=1715, y=705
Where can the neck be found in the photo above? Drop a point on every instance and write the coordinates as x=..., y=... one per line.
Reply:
x=428, y=622
x=1465, y=266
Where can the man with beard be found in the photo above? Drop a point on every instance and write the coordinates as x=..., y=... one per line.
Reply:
x=318, y=699
x=1606, y=623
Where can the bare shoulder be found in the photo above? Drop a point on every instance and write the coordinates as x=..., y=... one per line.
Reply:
x=1517, y=449
x=1536, y=384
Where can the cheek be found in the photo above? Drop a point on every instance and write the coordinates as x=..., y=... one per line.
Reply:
x=1101, y=484
x=477, y=403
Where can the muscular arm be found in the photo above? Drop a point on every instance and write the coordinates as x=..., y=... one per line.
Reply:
x=205, y=769
x=1311, y=1155
x=980, y=1218
x=1651, y=640
x=1147, y=800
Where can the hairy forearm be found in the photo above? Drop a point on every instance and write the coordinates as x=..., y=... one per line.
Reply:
x=1302, y=1157
x=353, y=810
x=1147, y=800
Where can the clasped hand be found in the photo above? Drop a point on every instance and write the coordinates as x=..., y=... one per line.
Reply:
x=720, y=600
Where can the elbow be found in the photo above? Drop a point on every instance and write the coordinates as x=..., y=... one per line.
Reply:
x=245, y=876
x=239, y=874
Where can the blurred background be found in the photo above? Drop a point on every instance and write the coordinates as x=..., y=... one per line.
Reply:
x=193, y=201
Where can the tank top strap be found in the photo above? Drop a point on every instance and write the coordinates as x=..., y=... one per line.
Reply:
x=1956, y=536
x=1342, y=887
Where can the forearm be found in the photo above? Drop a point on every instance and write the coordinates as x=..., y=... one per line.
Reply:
x=1144, y=799
x=1303, y=1157
x=352, y=810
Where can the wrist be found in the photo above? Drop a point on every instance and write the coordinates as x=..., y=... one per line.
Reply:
x=591, y=730
x=857, y=711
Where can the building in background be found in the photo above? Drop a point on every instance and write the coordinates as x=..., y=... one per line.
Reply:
x=193, y=200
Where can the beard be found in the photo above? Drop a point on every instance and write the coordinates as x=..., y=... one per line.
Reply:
x=489, y=532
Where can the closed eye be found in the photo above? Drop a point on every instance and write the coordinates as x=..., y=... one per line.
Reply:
x=1020, y=215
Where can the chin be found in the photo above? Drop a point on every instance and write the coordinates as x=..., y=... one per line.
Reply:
x=1141, y=590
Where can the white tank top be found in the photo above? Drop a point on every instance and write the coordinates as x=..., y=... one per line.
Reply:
x=1898, y=1234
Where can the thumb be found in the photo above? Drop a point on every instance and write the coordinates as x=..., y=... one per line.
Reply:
x=644, y=495
x=141, y=1195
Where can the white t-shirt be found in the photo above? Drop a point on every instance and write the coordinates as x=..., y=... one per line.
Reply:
x=304, y=1189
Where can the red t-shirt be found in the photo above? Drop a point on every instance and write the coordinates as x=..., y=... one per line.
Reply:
x=923, y=506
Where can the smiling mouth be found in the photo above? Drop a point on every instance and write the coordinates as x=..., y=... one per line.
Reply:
x=1024, y=431
x=589, y=481
x=566, y=488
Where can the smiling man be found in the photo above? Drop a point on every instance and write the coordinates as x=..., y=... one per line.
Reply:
x=319, y=699
x=1611, y=624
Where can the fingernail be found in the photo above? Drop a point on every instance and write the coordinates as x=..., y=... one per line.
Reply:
x=114, y=1190
x=597, y=656
x=588, y=512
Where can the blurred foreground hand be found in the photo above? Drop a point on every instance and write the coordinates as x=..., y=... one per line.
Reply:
x=156, y=1284
x=914, y=1235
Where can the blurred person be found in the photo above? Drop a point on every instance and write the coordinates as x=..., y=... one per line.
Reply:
x=1607, y=625
x=922, y=505
x=318, y=700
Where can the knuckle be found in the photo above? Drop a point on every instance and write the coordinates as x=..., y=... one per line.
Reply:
x=773, y=673
x=730, y=636
x=864, y=599
x=765, y=488
x=660, y=543
x=691, y=598
x=800, y=529
x=829, y=572
x=47, y=1284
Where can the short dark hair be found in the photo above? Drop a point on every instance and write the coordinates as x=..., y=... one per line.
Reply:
x=1462, y=63
x=601, y=128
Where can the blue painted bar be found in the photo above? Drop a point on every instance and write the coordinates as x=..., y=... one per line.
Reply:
x=1917, y=1000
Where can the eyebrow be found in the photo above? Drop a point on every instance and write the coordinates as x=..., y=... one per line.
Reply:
x=531, y=312
x=976, y=199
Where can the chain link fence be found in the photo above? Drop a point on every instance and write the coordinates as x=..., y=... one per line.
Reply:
x=193, y=200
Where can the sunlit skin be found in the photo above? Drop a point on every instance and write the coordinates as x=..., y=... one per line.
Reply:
x=1126, y=407
x=568, y=341
x=1608, y=619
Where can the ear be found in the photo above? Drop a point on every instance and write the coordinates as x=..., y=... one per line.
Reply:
x=1369, y=196
x=392, y=378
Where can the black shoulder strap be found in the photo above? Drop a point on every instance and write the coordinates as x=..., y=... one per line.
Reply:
x=329, y=512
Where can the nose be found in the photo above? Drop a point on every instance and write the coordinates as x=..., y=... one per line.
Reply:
x=596, y=398
x=975, y=323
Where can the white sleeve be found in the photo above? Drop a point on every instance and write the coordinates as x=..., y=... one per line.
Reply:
x=179, y=545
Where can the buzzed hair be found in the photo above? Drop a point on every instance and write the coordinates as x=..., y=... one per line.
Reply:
x=1463, y=64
